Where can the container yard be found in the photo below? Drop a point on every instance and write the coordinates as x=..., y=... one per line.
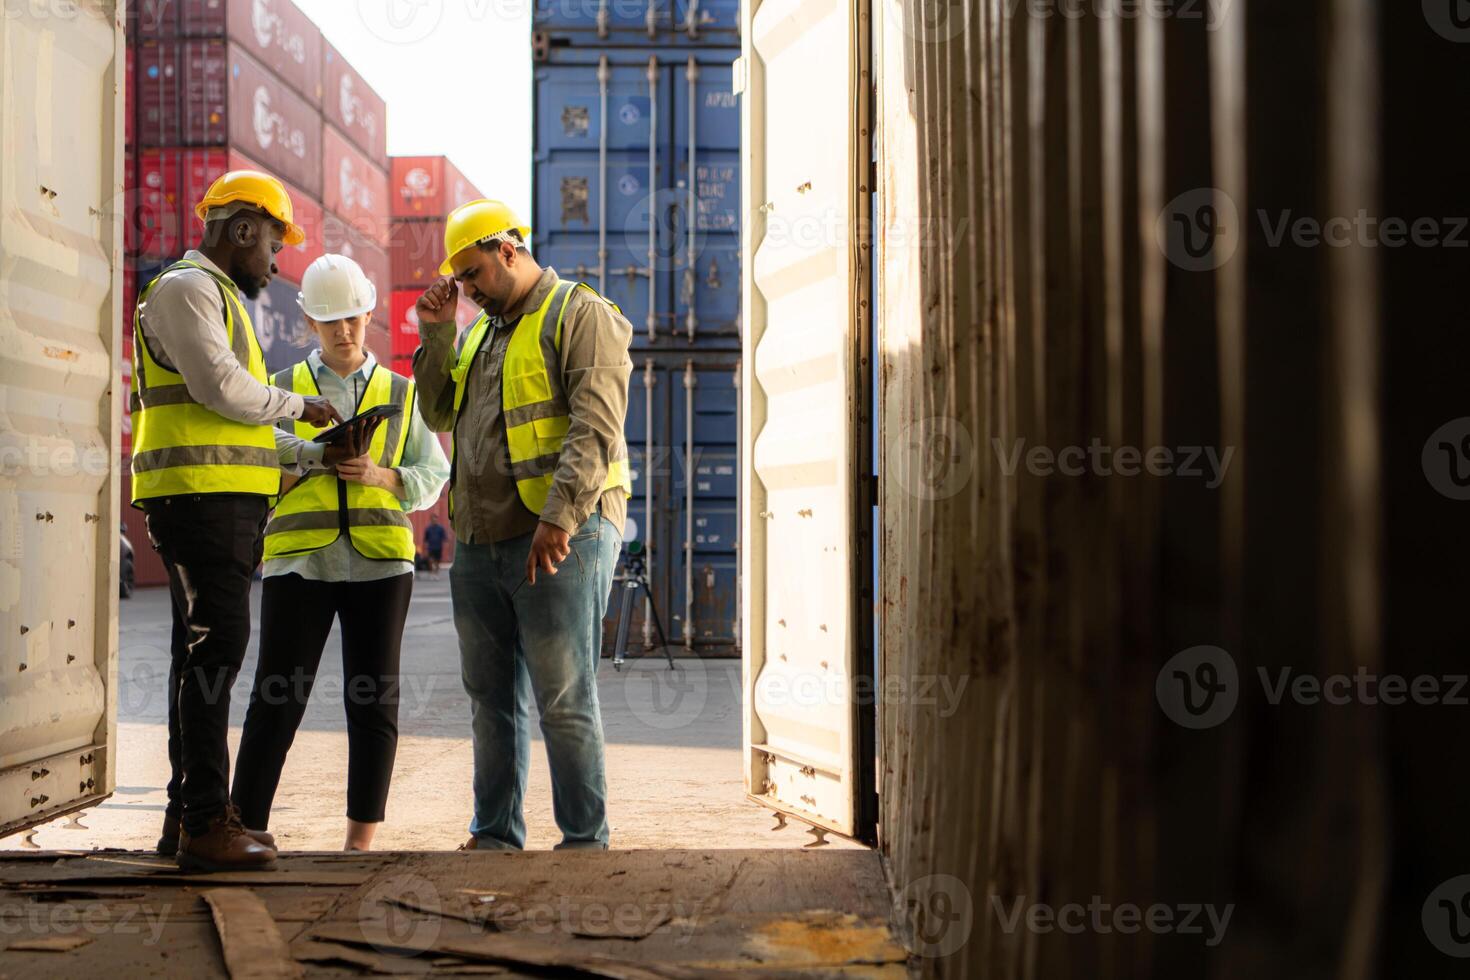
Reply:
x=1045, y=439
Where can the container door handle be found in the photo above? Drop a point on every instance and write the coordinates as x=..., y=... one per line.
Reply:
x=689, y=475
x=602, y=19
x=691, y=23
x=691, y=319
x=648, y=534
x=739, y=515
x=652, y=194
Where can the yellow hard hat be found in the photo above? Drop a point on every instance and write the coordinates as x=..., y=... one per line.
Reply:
x=472, y=223
x=254, y=187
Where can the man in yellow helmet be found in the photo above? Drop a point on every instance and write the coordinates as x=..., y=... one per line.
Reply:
x=205, y=469
x=536, y=397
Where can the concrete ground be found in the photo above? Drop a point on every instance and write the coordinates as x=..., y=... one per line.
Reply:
x=673, y=750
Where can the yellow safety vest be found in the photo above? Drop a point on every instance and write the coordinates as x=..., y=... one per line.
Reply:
x=321, y=507
x=179, y=445
x=532, y=398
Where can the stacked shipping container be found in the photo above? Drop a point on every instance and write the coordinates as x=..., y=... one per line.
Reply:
x=637, y=192
x=218, y=85
x=423, y=191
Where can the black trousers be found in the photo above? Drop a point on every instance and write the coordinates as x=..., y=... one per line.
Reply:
x=295, y=617
x=210, y=544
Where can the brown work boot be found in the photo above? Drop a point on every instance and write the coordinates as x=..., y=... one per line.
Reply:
x=225, y=846
x=168, y=841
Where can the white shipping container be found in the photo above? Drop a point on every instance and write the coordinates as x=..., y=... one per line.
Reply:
x=61, y=101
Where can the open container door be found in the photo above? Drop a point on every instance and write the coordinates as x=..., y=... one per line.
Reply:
x=805, y=288
x=61, y=198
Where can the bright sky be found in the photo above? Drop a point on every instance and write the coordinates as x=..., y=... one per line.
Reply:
x=457, y=78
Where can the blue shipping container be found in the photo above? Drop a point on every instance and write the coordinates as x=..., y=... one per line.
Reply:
x=683, y=449
x=637, y=191
x=637, y=186
x=652, y=23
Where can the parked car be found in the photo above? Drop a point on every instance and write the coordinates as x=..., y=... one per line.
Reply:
x=124, y=563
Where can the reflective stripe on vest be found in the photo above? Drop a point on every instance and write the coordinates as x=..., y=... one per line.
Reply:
x=532, y=399
x=179, y=445
x=315, y=511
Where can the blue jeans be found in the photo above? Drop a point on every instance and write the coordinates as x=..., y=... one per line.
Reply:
x=516, y=639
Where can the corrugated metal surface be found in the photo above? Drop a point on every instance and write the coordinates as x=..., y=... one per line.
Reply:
x=1100, y=196
x=351, y=105
x=354, y=187
x=684, y=499
x=416, y=248
x=157, y=228
x=61, y=126
x=428, y=187
x=159, y=77
x=805, y=301
x=613, y=175
x=273, y=125
x=275, y=32
x=666, y=23
x=205, y=92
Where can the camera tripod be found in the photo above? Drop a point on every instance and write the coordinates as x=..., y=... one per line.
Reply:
x=635, y=577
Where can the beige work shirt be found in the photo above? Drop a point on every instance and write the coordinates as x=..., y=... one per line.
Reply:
x=184, y=327
x=595, y=369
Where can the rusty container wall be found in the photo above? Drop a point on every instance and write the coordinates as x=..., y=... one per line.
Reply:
x=1078, y=225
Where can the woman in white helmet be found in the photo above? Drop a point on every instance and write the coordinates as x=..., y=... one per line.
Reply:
x=339, y=546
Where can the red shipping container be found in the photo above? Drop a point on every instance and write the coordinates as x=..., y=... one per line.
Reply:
x=130, y=97
x=417, y=248
x=380, y=341
x=352, y=106
x=159, y=77
x=156, y=221
x=405, y=325
x=353, y=186
x=202, y=167
x=429, y=187
x=148, y=567
x=229, y=99
x=154, y=18
x=342, y=238
x=274, y=32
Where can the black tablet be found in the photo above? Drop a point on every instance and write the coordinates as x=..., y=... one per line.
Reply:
x=338, y=431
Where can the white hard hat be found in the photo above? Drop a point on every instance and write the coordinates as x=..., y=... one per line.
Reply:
x=335, y=287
